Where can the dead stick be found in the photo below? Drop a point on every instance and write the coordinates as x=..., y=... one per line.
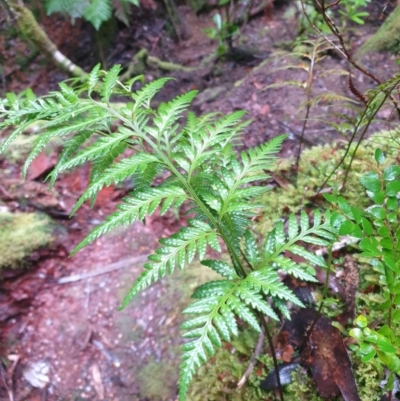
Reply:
x=253, y=360
x=98, y=272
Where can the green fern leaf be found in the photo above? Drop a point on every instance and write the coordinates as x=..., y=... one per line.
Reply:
x=164, y=259
x=98, y=12
x=44, y=139
x=74, y=8
x=251, y=249
x=134, y=207
x=98, y=149
x=293, y=227
x=244, y=313
x=168, y=114
x=116, y=174
x=109, y=82
x=268, y=282
x=143, y=96
x=93, y=79
x=256, y=301
x=292, y=268
x=304, y=222
x=311, y=257
x=221, y=268
x=70, y=148
x=213, y=289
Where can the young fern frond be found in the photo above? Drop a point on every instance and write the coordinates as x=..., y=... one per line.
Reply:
x=195, y=162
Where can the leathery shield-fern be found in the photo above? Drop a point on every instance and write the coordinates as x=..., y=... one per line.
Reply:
x=196, y=164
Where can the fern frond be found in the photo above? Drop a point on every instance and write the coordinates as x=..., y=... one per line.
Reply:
x=51, y=132
x=168, y=114
x=134, y=207
x=267, y=281
x=290, y=267
x=70, y=148
x=218, y=308
x=93, y=79
x=116, y=174
x=109, y=82
x=256, y=159
x=97, y=12
x=143, y=96
x=74, y=8
x=251, y=249
x=102, y=146
x=179, y=249
x=145, y=175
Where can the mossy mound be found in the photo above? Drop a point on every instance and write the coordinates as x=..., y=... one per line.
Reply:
x=21, y=234
x=316, y=164
x=387, y=37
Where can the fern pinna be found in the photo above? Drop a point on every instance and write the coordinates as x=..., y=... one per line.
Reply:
x=203, y=169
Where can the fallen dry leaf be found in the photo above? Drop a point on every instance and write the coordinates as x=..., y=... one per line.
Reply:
x=323, y=352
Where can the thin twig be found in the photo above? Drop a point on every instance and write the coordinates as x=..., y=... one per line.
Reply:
x=104, y=270
x=253, y=360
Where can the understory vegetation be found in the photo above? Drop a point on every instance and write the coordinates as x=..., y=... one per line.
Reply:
x=303, y=250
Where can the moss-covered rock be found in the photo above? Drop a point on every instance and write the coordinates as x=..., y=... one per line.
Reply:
x=21, y=234
x=316, y=164
x=387, y=37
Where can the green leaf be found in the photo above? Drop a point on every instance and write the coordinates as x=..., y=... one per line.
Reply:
x=292, y=268
x=93, y=78
x=346, y=228
x=391, y=173
x=393, y=188
x=311, y=257
x=293, y=227
x=368, y=356
x=361, y=321
x=371, y=182
x=377, y=211
x=379, y=156
x=367, y=227
x=377, y=197
x=392, y=203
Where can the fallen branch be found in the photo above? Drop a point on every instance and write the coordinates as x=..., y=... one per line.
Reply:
x=141, y=60
x=29, y=27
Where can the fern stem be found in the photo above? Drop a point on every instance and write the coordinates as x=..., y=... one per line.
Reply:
x=273, y=354
x=324, y=295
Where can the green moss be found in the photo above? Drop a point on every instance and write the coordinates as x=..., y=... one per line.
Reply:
x=20, y=234
x=315, y=166
x=157, y=381
x=368, y=377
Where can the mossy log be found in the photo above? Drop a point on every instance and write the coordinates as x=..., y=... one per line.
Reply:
x=141, y=60
x=30, y=29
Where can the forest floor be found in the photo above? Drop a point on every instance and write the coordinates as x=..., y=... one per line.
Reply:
x=61, y=334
